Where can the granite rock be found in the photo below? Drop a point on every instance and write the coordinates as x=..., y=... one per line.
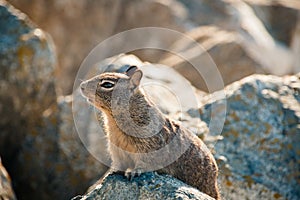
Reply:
x=258, y=154
x=147, y=186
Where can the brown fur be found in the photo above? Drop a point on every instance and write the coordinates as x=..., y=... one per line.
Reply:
x=136, y=130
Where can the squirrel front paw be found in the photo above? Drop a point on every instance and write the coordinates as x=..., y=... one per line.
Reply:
x=131, y=173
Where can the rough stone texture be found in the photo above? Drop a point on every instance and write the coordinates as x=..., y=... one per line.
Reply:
x=259, y=153
x=148, y=186
x=6, y=191
x=38, y=142
x=77, y=26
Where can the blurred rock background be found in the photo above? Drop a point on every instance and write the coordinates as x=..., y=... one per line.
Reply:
x=43, y=45
x=266, y=32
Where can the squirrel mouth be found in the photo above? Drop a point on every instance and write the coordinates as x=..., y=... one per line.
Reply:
x=90, y=100
x=85, y=94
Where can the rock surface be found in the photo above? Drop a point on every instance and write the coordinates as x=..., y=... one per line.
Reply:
x=27, y=60
x=148, y=186
x=6, y=191
x=259, y=151
x=38, y=141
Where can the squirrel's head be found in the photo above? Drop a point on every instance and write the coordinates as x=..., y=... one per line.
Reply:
x=102, y=89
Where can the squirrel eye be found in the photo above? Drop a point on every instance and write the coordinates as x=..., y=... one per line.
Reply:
x=107, y=85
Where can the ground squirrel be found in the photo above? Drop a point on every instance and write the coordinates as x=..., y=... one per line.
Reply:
x=142, y=139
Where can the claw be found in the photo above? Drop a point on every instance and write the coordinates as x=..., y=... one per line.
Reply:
x=131, y=173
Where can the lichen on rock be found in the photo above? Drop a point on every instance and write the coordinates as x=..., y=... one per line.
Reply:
x=259, y=150
x=149, y=185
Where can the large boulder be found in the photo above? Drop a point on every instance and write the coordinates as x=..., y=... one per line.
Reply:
x=38, y=141
x=147, y=186
x=77, y=26
x=6, y=191
x=259, y=152
x=27, y=61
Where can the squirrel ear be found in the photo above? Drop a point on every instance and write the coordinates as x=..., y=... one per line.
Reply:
x=130, y=71
x=135, y=78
